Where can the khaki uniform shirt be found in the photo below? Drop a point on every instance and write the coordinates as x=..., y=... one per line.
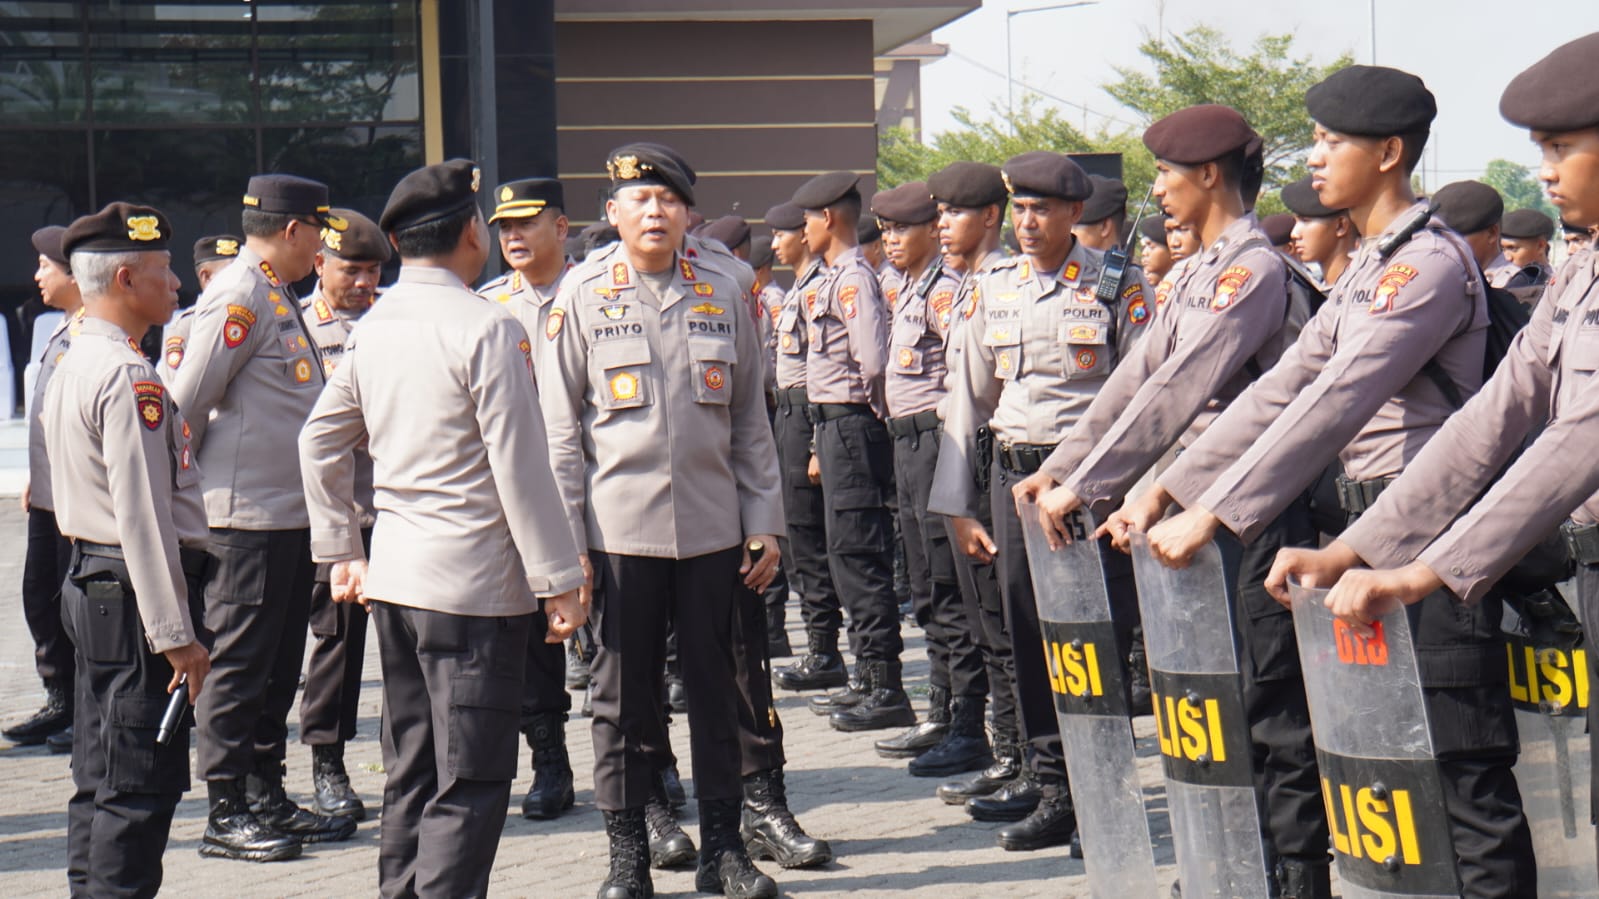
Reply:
x=1351, y=386
x=769, y=299
x=923, y=315
x=847, y=336
x=174, y=340
x=961, y=313
x=1038, y=347
x=792, y=331
x=124, y=473
x=529, y=302
x=1223, y=324
x=249, y=376
x=439, y=383
x=330, y=329
x=1547, y=374
x=657, y=420
x=40, y=495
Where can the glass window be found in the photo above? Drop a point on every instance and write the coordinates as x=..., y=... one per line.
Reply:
x=41, y=64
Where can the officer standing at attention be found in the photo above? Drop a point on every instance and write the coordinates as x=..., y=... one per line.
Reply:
x=1154, y=257
x=1472, y=209
x=1323, y=237
x=1104, y=214
x=1038, y=347
x=846, y=344
x=463, y=551
x=127, y=491
x=1524, y=236
x=212, y=254
x=869, y=237
x=657, y=426
x=1354, y=385
x=348, y=269
x=249, y=376
x=48, y=553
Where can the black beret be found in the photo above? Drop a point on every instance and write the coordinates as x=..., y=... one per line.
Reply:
x=1570, y=230
x=968, y=185
x=47, y=243
x=1371, y=101
x=361, y=241
x=1199, y=134
x=598, y=235
x=1469, y=206
x=1109, y=198
x=1301, y=200
x=526, y=198
x=1041, y=173
x=1279, y=228
x=1153, y=229
x=1558, y=93
x=216, y=246
x=290, y=195
x=730, y=231
x=908, y=204
x=761, y=254
x=574, y=246
x=646, y=163
x=825, y=190
x=431, y=193
x=1527, y=223
x=785, y=217
x=867, y=230
x=118, y=228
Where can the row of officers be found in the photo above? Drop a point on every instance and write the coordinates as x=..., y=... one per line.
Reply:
x=641, y=441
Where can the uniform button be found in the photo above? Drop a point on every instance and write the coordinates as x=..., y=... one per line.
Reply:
x=1455, y=571
x=1233, y=516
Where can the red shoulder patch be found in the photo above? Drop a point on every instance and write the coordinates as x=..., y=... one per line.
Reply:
x=846, y=298
x=1227, y=286
x=151, y=397
x=1393, y=278
x=237, y=327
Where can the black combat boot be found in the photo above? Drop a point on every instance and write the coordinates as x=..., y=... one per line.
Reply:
x=821, y=667
x=965, y=744
x=923, y=736
x=676, y=796
x=334, y=795
x=551, y=792
x=233, y=831
x=1299, y=878
x=53, y=717
x=670, y=847
x=1052, y=823
x=768, y=827
x=1140, y=695
x=630, y=861
x=725, y=867
x=885, y=705
x=1012, y=802
x=272, y=805
x=1006, y=767
x=60, y=742
x=852, y=694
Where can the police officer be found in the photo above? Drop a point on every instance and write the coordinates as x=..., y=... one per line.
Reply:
x=1104, y=214
x=1354, y=384
x=654, y=370
x=212, y=254
x=1038, y=346
x=248, y=376
x=127, y=493
x=1575, y=237
x=1473, y=210
x=1323, y=237
x=439, y=384
x=1524, y=236
x=1279, y=230
x=846, y=346
x=1153, y=254
x=48, y=553
x=869, y=237
x=1225, y=322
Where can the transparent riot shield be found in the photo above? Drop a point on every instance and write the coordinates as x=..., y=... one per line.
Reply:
x=1379, y=778
x=1547, y=657
x=1200, y=724
x=1087, y=679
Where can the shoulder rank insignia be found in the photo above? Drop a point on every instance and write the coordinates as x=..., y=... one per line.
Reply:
x=152, y=404
x=237, y=327
x=619, y=276
x=323, y=313
x=1070, y=272
x=687, y=269
x=271, y=276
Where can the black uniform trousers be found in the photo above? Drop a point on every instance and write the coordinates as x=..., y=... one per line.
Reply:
x=806, y=556
x=544, y=687
x=452, y=687
x=126, y=786
x=43, y=568
x=332, y=692
x=985, y=616
x=257, y=605
x=1040, y=729
x=1588, y=598
x=953, y=654
x=857, y=479
x=634, y=598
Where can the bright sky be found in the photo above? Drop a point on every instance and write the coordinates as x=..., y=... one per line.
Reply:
x=1466, y=51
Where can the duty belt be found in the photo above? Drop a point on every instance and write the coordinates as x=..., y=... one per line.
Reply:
x=1355, y=497
x=791, y=396
x=194, y=561
x=1023, y=458
x=911, y=425
x=1582, y=542
x=830, y=411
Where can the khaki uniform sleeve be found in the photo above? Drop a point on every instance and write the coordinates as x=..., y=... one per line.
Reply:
x=973, y=395
x=328, y=441
x=755, y=468
x=868, y=334
x=563, y=379
x=209, y=363
x=1128, y=329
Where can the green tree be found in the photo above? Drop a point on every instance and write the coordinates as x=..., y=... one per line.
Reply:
x=1518, y=187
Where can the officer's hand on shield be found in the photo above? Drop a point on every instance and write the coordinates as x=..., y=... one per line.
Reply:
x=1309, y=567
x=1034, y=489
x=1135, y=515
x=348, y=581
x=565, y=613
x=973, y=540
x=1362, y=595
x=758, y=575
x=190, y=660
x=1175, y=540
x=1054, y=508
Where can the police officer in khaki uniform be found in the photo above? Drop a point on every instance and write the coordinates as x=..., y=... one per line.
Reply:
x=1038, y=347
x=127, y=493
x=1104, y=214
x=1354, y=385
x=1323, y=237
x=1153, y=254
x=348, y=269
x=212, y=254
x=1473, y=210
x=439, y=384
x=249, y=375
x=1524, y=236
x=652, y=393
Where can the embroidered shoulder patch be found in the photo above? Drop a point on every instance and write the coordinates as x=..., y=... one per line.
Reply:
x=846, y=298
x=152, y=403
x=1227, y=286
x=552, y=325
x=237, y=327
x=1395, y=277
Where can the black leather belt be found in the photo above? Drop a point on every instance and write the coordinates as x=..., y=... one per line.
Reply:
x=1582, y=542
x=831, y=411
x=791, y=396
x=1355, y=497
x=911, y=425
x=195, y=562
x=1023, y=458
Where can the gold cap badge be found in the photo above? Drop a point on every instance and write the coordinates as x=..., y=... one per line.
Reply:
x=144, y=227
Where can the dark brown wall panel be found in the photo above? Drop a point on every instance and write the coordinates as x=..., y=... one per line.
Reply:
x=746, y=195
x=631, y=49
x=732, y=149
x=721, y=102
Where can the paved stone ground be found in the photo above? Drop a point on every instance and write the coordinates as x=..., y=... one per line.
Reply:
x=890, y=835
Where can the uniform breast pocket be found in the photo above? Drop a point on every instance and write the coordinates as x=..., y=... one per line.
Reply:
x=712, y=361
x=623, y=369
x=1005, y=340
x=1084, y=347
x=907, y=360
x=788, y=333
x=1582, y=351
x=300, y=371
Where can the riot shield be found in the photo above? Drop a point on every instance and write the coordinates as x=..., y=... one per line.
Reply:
x=1547, y=657
x=1200, y=724
x=1087, y=679
x=1379, y=778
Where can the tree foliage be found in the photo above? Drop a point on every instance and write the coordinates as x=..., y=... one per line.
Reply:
x=1518, y=187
